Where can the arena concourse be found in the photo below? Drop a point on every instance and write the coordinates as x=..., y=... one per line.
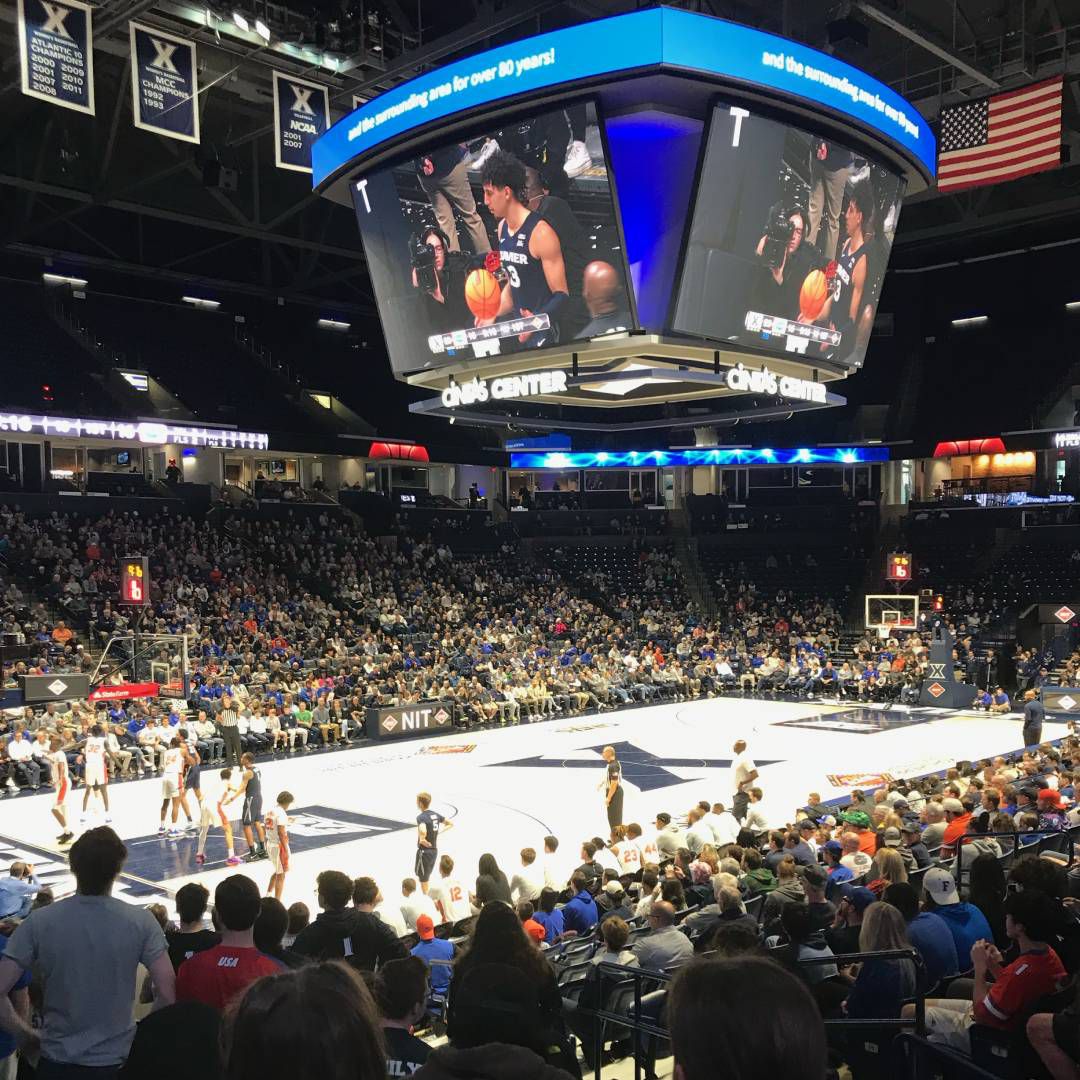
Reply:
x=541, y=543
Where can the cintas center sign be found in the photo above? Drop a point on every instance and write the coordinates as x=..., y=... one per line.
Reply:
x=478, y=391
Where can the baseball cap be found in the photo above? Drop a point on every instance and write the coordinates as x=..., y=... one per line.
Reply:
x=940, y=886
x=425, y=928
x=857, y=818
x=911, y=825
x=834, y=847
x=952, y=806
x=614, y=888
x=806, y=825
x=891, y=837
x=859, y=896
x=1050, y=797
x=814, y=875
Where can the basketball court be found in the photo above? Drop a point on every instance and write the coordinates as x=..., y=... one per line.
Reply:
x=506, y=789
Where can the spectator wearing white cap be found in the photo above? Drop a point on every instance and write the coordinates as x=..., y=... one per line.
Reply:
x=966, y=922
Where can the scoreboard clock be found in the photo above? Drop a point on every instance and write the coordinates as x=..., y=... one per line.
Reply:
x=898, y=567
x=135, y=581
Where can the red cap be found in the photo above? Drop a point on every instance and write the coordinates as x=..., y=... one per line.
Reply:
x=425, y=927
x=1050, y=796
x=534, y=930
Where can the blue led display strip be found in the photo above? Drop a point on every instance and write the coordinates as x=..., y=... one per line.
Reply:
x=644, y=459
x=640, y=39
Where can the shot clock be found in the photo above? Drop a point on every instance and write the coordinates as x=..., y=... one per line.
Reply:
x=135, y=581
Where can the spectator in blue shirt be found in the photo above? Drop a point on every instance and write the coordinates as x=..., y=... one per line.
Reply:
x=927, y=932
x=549, y=917
x=17, y=891
x=431, y=948
x=1001, y=702
x=579, y=913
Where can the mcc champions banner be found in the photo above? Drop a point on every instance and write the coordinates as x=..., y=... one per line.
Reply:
x=56, y=52
x=164, y=83
x=301, y=115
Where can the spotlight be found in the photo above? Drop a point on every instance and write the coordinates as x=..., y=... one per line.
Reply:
x=262, y=29
x=240, y=20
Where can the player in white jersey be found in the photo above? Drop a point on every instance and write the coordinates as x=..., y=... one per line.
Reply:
x=276, y=823
x=171, y=779
x=450, y=896
x=222, y=818
x=626, y=851
x=57, y=760
x=95, y=772
x=650, y=853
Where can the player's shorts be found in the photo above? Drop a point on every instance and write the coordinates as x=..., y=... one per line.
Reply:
x=252, y=811
x=170, y=786
x=425, y=863
x=95, y=774
x=192, y=778
x=278, y=856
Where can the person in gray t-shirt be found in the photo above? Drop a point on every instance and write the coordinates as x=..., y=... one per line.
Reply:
x=88, y=949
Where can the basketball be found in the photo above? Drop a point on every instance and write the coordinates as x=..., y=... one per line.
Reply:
x=482, y=294
x=812, y=295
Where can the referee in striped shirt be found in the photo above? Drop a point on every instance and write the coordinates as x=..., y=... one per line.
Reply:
x=226, y=718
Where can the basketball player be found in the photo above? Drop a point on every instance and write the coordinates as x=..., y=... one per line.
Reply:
x=450, y=896
x=428, y=826
x=529, y=250
x=95, y=772
x=192, y=774
x=207, y=821
x=277, y=843
x=252, y=817
x=59, y=765
x=843, y=308
x=611, y=785
x=171, y=780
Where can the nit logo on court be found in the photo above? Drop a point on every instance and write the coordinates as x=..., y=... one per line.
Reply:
x=155, y=858
x=642, y=768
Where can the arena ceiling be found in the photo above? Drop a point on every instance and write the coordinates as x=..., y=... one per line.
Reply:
x=96, y=192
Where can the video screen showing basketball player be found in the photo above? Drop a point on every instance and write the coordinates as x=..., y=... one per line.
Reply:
x=789, y=242
x=445, y=238
x=530, y=253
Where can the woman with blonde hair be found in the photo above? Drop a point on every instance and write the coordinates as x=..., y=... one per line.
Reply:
x=882, y=985
x=886, y=869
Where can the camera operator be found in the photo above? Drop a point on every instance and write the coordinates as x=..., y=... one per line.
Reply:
x=786, y=262
x=439, y=274
x=17, y=891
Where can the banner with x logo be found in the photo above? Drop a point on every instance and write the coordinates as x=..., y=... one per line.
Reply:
x=164, y=83
x=56, y=52
x=301, y=115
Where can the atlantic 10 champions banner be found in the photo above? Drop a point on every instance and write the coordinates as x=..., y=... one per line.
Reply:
x=164, y=90
x=301, y=115
x=56, y=52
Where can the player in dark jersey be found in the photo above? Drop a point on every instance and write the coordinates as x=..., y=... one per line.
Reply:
x=428, y=826
x=529, y=250
x=844, y=307
x=252, y=817
x=611, y=786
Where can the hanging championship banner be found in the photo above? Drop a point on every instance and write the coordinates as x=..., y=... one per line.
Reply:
x=301, y=115
x=164, y=83
x=56, y=51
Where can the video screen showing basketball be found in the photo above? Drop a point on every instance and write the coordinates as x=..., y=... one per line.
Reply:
x=499, y=243
x=789, y=243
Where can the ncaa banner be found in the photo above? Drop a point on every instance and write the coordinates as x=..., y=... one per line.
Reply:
x=164, y=78
x=301, y=115
x=56, y=51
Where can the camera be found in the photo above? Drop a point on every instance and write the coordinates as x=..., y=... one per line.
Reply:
x=778, y=233
x=422, y=257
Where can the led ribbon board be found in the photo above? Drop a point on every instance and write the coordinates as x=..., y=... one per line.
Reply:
x=643, y=459
x=641, y=40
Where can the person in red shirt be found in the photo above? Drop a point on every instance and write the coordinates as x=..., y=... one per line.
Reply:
x=1031, y=919
x=535, y=931
x=958, y=819
x=216, y=976
x=1003, y=995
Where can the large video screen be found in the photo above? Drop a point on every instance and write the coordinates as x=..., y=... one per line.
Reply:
x=500, y=243
x=789, y=242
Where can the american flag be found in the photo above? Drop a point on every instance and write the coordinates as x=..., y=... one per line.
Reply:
x=1001, y=137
